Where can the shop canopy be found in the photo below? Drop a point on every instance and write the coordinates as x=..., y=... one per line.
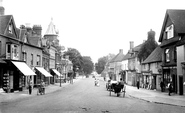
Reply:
x=43, y=71
x=24, y=68
x=56, y=72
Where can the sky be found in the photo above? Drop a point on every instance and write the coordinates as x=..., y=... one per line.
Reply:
x=94, y=27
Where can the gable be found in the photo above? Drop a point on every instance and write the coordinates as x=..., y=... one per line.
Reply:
x=10, y=26
x=175, y=17
x=4, y=20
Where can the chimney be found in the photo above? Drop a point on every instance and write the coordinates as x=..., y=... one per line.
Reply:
x=121, y=51
x=28, y=28
x=131, y=44
x=37, y=29
x=1, y=8
x=151, y=35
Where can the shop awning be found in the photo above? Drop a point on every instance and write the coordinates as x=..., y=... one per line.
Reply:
x=43, y=71
x=24, y=68
x=56, y=72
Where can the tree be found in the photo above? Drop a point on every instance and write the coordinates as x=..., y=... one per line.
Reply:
x=101, y=64
x=75, y=57
x=148, y=46
x=88, y=65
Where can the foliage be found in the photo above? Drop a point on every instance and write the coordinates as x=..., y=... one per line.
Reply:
x=88, y=65
x=148, y=46
x=99, y=67
x=75, y=57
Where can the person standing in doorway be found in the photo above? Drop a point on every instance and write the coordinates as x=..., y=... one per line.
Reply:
x=161, y=85
x=137, y=84
x=169, y=88
x=30, y=86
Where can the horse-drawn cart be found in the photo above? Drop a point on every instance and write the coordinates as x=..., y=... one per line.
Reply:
x=117, y=88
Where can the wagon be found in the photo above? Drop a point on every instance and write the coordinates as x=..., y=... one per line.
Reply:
x=118, y=89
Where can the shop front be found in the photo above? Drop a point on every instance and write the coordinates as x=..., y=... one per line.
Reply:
x=170, y=75
x=147, y=80
x=42, y=74
x=56, y=76
x=16, y=75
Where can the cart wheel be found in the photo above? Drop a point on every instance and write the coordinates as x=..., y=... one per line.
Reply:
x=124, y=91
x=123, y=94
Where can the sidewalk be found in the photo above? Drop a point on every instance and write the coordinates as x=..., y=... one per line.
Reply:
x=156, y=96
x=5, y=97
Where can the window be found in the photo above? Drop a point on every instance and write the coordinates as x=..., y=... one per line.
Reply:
x=170, y=31
x=10, y=28
x=24, y=56
x=175, y=54
x=15, y=52
x=8, y=48
x=32, y=59
x=167, y=55
x=38, y=60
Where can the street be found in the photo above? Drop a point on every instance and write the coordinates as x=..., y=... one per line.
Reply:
x=82, y=97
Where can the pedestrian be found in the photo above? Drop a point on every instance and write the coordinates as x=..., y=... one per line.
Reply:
x=121, y=83
x=137, y=84
x=30, y=86
x=42, y=87
x=161, y=85
x=169, y=88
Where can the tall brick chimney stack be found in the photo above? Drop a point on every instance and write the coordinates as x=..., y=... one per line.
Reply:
x=1, y=8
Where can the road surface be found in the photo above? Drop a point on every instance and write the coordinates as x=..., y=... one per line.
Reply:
x=84, y=97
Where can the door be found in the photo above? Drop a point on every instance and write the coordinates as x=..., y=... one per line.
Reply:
x=180, y=85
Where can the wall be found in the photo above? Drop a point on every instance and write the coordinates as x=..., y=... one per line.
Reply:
x=32, y=50
x=35, y=51
x=180, y=58
x=52, y=57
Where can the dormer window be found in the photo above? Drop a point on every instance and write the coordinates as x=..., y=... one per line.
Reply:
x=10, y=28
x=170, y=32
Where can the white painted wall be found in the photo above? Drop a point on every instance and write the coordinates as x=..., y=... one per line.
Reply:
x=180, y=58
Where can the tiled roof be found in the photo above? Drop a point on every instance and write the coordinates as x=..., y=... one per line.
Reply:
x=117, y=58
x=155, y=56
x=178, y=19
x=135, y=50
x=126, y=57
x=34, y=40
x=4, y=20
